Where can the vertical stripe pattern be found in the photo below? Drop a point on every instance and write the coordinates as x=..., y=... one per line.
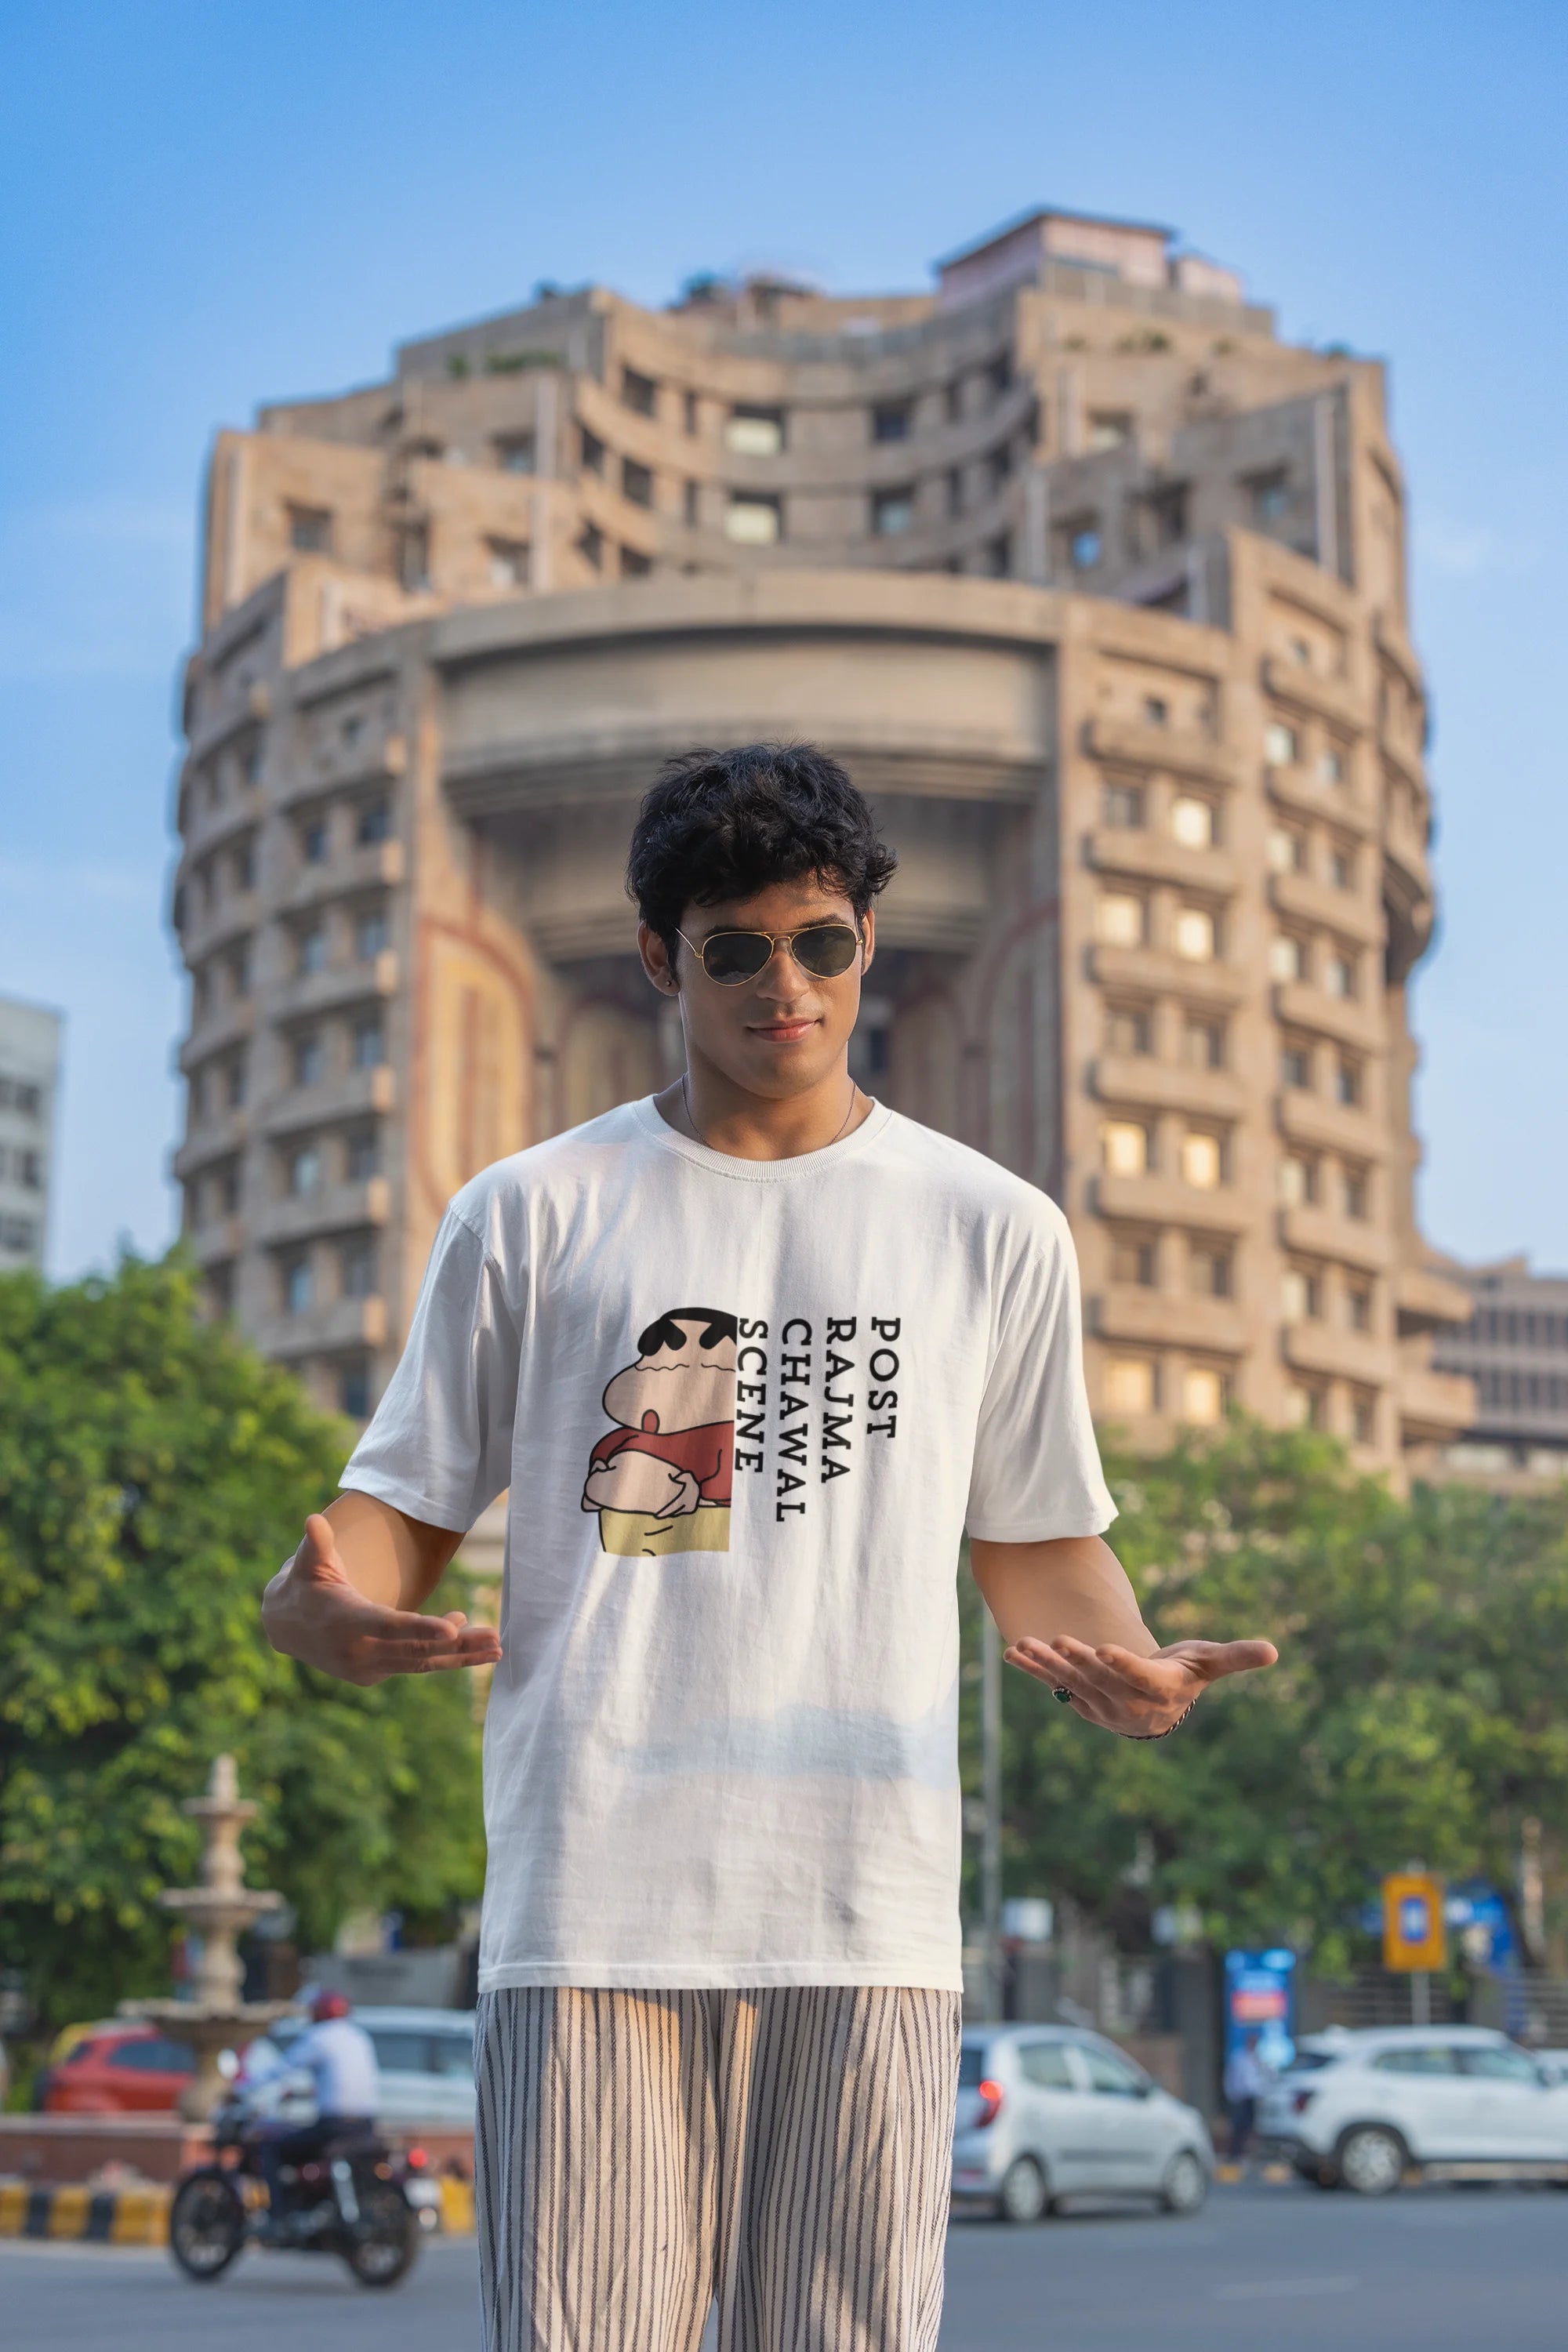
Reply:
x=784, y=2153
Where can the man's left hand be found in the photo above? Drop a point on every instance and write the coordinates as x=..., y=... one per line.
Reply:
x=1140, y=1698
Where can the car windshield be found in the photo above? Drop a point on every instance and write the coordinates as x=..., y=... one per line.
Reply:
x=1305, y=2061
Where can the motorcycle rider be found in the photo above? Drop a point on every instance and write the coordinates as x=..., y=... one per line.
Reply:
x=340, y=2058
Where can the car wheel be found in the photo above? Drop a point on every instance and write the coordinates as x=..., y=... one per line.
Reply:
x=1186, y=2184
x=1371, y=2160
x=1023, y=2195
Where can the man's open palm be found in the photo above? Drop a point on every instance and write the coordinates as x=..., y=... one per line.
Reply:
x=313, y=1612
x=1140, y=1698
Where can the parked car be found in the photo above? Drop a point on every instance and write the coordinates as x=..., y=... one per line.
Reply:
x=424, y=2056
x=1359, y=2110
x=1047, y=2113
x=117, y=2070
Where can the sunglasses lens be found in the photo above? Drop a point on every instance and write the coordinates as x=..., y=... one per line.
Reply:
x=825, y=951
x=729, y=957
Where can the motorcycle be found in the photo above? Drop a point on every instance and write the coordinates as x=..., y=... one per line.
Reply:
x=352, y=2200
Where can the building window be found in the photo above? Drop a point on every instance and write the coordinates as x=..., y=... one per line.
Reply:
x=1270, y=496
x=369, y=1045
x=372, y=933
x=752, y=521
x=1193, y=935
x=1358, y=1306
x=1156, y=710
x=1202, y=1395
x=637, y=482
x=892, y=512
x=1281, y=744
x=634, y=564
x=509, y=561
x=1084, y=548
x=362, y=1155
x=1286, y=850
x=1297, y=1181
x=999, y=374
x=374, y=823
x=1168, y=514
x=414, y=558
x=1296, y=1064
x=690, y=508
x=1286, y=957
x=1121, y=919
x=1109, y=428
x=1364, y=1416
x=1340, y=975
x=305, y=1172
x=1132, y=1260
x=999, y=466
x=1203, y=1159
x=298, y=1286
x=955, y=400
x=315, y=842
x=955, y=490
x=310, y=1061
x=311, y=950
x=1303, y=1407
x=353, y=1391
x=1124, y=1146
x=1341, y=870
x=1300, y=653
x=357, y=1267
x=638, y=393
x=1128, y=1029
x=1122, y=807
x=234, y=1076
x=1347, y=1082
x=1195, y=823
x=1209, y=1269
x=755, y=431
x=593, y=453
x=893, y=420
x=1129, y=1385
x=242, y=867
x=1331, y=767
x=1353, y=1193
x=515, y=453
x=311, y=529
x=1301, y=1296
x=1203, y=1042
x=692, y=411
x=999, y=556
x=591, y=545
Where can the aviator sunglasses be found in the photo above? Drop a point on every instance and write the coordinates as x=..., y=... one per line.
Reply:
x=823, y=949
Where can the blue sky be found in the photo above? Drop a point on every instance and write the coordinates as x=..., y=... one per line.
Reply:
x=207, y=205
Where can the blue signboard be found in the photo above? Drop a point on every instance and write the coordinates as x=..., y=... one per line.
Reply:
x=1260, y=2006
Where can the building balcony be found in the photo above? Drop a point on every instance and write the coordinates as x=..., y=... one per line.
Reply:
x=379, y=762
x=1333, y=698
x=383, y=863
x=1331, y=1350
x=1347, y=912
x=203, y=828
x=1350, y=1020
x=212, y=1244
x=1333, y=1127
x=1301, y=792
x=339, y=984
x=1167, y=1318
x=1155, y=857
x=1178, y=751
x=227, y=1024
x=1345, y=1241
x=207, y=1142
x=1163, y=1200
x=356, y=1094
x=330, y=1209
x=1430, y=1301
x=229, y=716
x=235, y=916
x=1433, y=1404
x=1140, y=1080
x=1154, y=972
x=330, y=1329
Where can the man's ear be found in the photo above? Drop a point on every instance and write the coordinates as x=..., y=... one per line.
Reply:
x=656, y=962
x=868, y=939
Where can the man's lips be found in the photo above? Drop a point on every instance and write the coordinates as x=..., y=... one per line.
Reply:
x=783, y=1033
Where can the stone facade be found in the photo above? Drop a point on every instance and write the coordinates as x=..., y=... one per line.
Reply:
x=1097, y=588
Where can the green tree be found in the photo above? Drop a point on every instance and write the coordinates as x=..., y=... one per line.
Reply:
x=154, y=1471
x=1415, y=1710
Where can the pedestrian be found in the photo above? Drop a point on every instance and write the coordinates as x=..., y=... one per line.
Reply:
x=749, y=1356
x=1247, y=2077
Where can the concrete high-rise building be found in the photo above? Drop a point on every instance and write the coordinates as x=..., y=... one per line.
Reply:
x=30, y=1080
x=1099, y=589
x=1515, y=1350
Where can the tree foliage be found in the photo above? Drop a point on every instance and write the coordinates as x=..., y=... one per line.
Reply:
x=1415, y=1710
x=154, y=1472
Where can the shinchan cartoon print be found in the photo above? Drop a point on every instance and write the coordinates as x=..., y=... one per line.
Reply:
x=661, y=1479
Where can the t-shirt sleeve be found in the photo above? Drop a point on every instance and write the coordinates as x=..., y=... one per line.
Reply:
x=1036, y=1465
x=439, y=1446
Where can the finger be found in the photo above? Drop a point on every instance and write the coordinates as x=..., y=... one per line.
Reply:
x=319, y=1548
x=1239, y=1658
x=1161, y=1680
x=477, y=1647
x=1076, y=1665
x=1048, y=1666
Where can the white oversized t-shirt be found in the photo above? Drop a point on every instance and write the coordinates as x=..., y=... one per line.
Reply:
x=744, y=1410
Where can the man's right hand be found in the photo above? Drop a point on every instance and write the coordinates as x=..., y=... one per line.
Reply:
x=314, y=1612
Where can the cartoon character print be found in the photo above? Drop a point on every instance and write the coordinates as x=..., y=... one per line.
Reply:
x=660, y=1480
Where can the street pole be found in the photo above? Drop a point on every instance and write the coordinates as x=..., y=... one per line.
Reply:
x=1420, y=1998
x=991, y=1792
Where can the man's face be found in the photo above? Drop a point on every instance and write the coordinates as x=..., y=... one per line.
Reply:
x=783, y=1032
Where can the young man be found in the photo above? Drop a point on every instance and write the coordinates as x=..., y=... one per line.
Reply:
x=750, y=1356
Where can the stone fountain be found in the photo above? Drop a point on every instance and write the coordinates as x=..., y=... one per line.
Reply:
x=220, y=1910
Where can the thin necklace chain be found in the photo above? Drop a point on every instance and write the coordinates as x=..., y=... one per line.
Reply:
x=696, y=1131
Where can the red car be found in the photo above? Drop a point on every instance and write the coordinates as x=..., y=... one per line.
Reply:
x=117, y=2070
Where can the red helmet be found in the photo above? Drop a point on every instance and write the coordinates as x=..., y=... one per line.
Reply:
x=329, y=2004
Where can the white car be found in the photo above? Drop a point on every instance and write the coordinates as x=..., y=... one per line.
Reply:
x=425, y=2058
x=1046, y=2113
x=1361, y=2109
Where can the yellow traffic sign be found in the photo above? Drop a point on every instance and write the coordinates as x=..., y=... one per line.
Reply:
x=1414, y=1937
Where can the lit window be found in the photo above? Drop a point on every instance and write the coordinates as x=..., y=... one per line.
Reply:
x=753, y=521
x=1084, y=548
x=1297, y=1181
x=1132, y=1260
x=1287, y=850
x=1121, y=805
x=755, y=431
x=1358, y=1306
x=1121, y=920
x=315, y=842
x=1125, y=1145
x=1129, y=1385
x=1296, y=1065
x=1339, y=977
x=313, y=950
x=1202, y=1160
x=373, y=824
x=637, y=482
x=371, y=935
x=298, y=1286
x=305, y=1172
x=1287, y=958
x=515, y=453
x=1299, y=1296
x=1331, y=767
x=892, y=512
x=311, y=529
x=1209, y=1270
x=1281, y=746
x=370, y=1047
x=1128, y=1029
x=1193, y=934
x=509, y=563
x=1192, y=822
x=1202, y=1395
x=892, y=421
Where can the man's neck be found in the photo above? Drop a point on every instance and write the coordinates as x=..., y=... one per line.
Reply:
x=707, y=1105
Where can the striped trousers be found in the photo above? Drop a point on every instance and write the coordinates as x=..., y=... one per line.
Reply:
x=783, y=2153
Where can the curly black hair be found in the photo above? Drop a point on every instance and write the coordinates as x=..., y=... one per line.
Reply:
x=725, y=824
